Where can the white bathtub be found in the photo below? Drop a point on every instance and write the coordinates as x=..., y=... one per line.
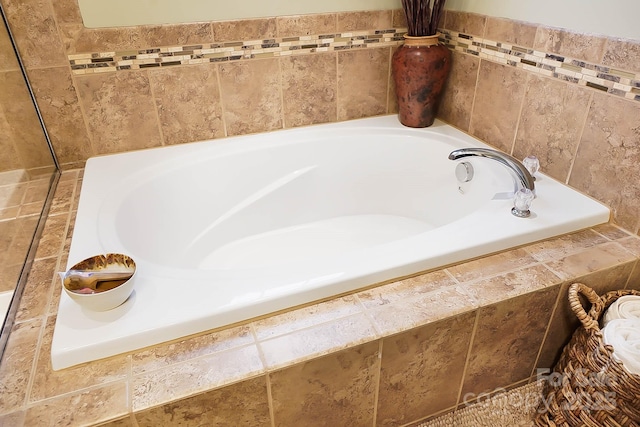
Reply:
x=224, y=231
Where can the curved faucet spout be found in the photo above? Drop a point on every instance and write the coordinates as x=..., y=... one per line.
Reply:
x=513, y=164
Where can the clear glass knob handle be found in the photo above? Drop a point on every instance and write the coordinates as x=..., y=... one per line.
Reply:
x=522, y=203
x=532, y=164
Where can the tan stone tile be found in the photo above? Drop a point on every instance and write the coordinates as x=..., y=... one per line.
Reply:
x=513, y=284
x=336, y=390
x=309, y=89
x=399, y=19
x=496, y=109
x=422, y=369
x=37, y=191
x=120, y=110
x=92, y=406
x=506, y=341
x=128, y=421
x=605, y=165
x=48, y=383
x=611, y=231
x=590, y=261
x=465, y=22
x=15, y=419
x=38, y=290
x=491, y=265
x=8, y=60
x=363, y=78
x=560, y=247
x=52, y=236
x=551, y=123
x=34, y=29
x=319, y=340
x=305, y=317
x=195, y=376
x=13, y=195
x=565, y=322
x=67, y=11
x=510, y=31
x=188, y=102
x=632, y=244
x=14, y=211
x=186, y=34
x=17, y=363
x=163, y=355
x=244, y=29
x=457, y=99
x=78, y=39
x=251, y=96
x=306, y=25
x=244, y=403
x=60, y=108
x=634, y=278
x=63, y=197
x=364, y=20
x=622, y=54
x=585, y=47
x=8, y=152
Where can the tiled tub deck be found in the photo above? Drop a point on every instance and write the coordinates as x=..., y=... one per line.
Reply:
x=390, y=355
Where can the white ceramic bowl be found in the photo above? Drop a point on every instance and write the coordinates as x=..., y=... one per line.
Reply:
x=92, y=297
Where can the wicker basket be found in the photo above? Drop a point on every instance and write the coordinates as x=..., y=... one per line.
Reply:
x=588, y=387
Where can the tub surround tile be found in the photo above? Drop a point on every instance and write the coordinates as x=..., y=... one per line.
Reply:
x=63, y=197
x=120, y=111
x=399, y=19
x=241, y=404
x=420, y=373
x=316, y=341
x=67, y=11
x=38, y=290
x=457, y=99
x=188, y=103
x=491, y=265
x=560, y=247
x=362, y=83
x=245, y=29
x=17, y=362
x=622, y=54
x=631, y=244
x=53, y=236
x=467, y=23
x=91, y=407
x=611, y=231
x=363, y=20
x=309, y=89
x=634, y=278
x=498, y=100
x=8, y=59
x=250, y=93
x=122, y=422
x=576, y=45
x=551, y=122
x=611, y=132
x=505, y=334
x=590, y=260
x=511, y=31
x=334, y=390
x=306, y=25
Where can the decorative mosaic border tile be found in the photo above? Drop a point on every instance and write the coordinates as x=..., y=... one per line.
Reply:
x=616, y=82
x=86, y=63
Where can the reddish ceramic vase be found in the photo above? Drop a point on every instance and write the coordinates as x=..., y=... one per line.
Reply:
x=420, y=69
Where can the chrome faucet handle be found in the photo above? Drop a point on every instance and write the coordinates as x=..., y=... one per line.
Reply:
x=522, y=203
x=532, y=164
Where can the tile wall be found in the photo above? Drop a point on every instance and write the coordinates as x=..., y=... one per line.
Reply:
x=571, y=99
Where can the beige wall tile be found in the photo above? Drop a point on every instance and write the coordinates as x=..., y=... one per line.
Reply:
x=622, y=54
x=241, y=404
x=9, y=158
x=491, y=265
x=48, y=383
x=363, y=78
x=465, y=22
x=551, y=123
x=586, y=47
x=60, y=108
x=608, y=155
x=251, y=96
x=309, y=89
x=497, y=104
x=120, y=111
x=38, y=290
x=590, y=260
x=399, y=20
x=364, y=20
x=53, y=236
x=92, y=406
x=67, y=11
x=306, y=25
x=188, y=103
x=335, y=390
x=246, y=29
x=510, y=31
x=8, y=60
x=175, y=35
x=422, y=369
x=560, y=247
x=457, y=99
x=35, y=32
x=17, y=363
x=507, y=341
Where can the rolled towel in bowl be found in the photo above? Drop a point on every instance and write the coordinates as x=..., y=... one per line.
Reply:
x=625, y=307
x=624, y=336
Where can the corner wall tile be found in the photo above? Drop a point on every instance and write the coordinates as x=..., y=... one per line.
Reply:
x=120, y=111
x=363, y=20
x=306, y=25
x=188, y=103
x=457, y=99
x=363, y=78
x=245, y=29
x=67, y=11
x=606, y=165
x=496, y=109
x=551, y=123
x=511, y=31
x=624, y=54
x=334, y=390
x=576, y=45
x=251, y=96
x=465, y=22
x=422, y=369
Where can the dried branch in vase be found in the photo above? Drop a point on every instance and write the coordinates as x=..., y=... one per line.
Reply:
x=422, y=16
